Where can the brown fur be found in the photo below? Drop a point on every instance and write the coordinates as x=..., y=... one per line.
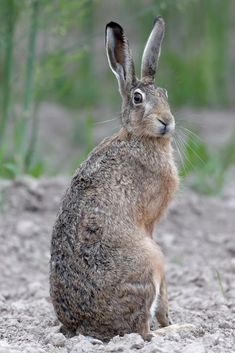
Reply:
x=105, y=267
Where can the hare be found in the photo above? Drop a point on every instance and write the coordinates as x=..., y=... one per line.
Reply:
x=106, y=272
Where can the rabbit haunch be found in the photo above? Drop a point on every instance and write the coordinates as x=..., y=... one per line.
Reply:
x=107, y=274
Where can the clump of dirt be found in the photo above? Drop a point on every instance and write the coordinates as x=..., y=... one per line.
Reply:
x=197, y=238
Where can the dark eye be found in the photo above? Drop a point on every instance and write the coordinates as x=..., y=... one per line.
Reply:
x=138, y=98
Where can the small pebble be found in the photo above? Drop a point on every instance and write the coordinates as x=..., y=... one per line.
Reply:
x=224, y=324
x=26, y=228
x=56, y=339
x=195, y=347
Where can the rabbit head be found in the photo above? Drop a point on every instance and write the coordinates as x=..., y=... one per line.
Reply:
x=145, y=109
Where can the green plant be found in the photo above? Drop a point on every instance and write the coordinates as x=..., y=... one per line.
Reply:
x=194, y=72
x=24, y=150
x=18, y=157
x=206, y=167
x=9, y=11
x=67, y=68
x=43, y=74
x=2, y=200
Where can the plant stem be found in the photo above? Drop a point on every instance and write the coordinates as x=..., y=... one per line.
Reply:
x=8, y=65
x=29, y=85
x=33, y=139
x=218, y=276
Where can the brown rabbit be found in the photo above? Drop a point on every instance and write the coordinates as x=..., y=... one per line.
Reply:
x=107, y=273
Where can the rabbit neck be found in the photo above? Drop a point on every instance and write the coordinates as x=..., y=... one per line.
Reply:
x=150, y=150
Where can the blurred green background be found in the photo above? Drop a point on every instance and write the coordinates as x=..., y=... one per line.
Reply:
x=58, y=97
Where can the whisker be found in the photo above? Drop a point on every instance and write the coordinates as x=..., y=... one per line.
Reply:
x=183, y=145
x=192, y=133
x=196, y=154
x=196, y=140
x=179, y=152
x=189, y=123
x=183, y=148
x=105, y=121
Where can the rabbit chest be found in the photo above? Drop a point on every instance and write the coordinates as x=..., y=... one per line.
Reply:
x=157, y=188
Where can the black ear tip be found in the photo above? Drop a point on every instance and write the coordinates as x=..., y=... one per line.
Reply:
x=114, y=25
x=159, y=20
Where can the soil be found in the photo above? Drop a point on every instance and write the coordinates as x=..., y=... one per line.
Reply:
x=197, y=238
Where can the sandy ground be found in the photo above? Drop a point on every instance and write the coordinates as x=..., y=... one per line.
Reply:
x=197, y=237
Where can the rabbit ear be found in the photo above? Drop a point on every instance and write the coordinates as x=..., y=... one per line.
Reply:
x=119, y=56
x=152, y=50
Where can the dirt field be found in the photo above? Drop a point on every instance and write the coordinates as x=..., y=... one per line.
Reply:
x=197, y=238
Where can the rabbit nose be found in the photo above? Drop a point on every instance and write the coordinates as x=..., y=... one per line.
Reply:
x=165, y=127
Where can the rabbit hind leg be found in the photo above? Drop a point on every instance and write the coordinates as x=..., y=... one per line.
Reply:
x=162, y=312
x=162, y=315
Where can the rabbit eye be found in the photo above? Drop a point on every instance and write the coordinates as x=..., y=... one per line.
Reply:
x=138, y=98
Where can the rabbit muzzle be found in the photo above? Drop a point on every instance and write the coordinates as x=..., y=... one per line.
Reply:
x=162, y=125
